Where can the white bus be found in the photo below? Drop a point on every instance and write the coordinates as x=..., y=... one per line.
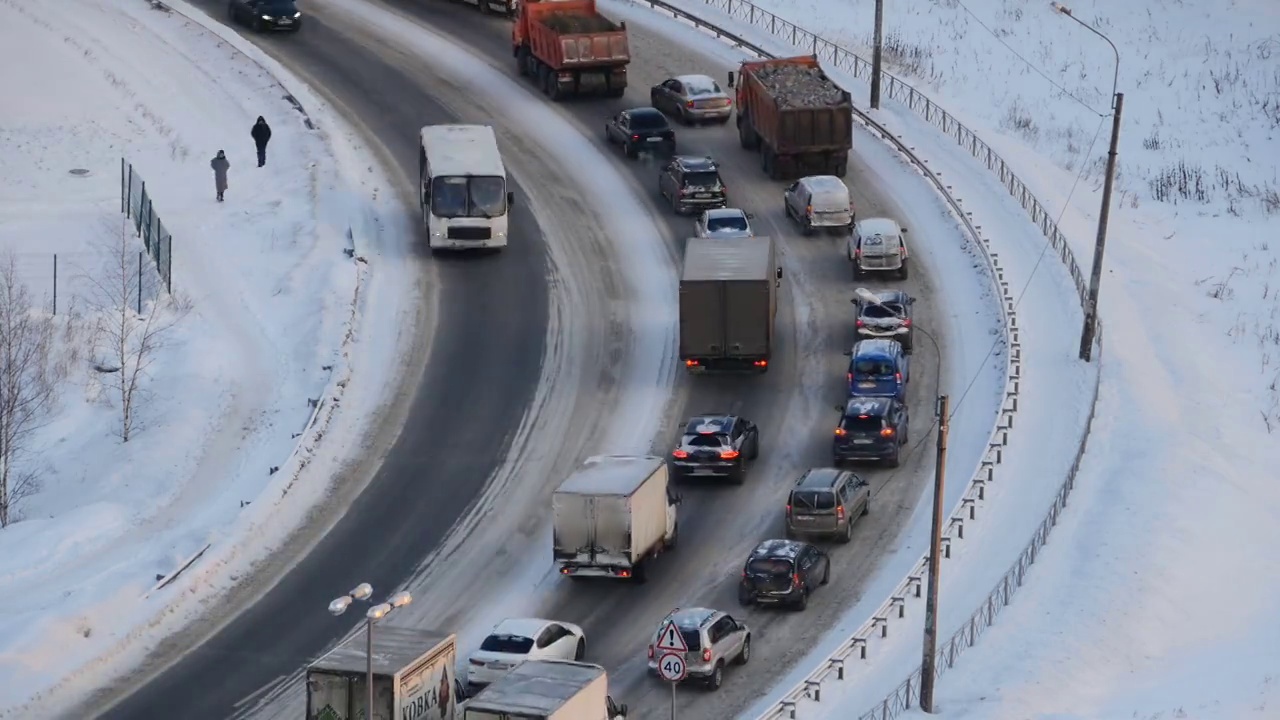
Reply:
x=462, y=188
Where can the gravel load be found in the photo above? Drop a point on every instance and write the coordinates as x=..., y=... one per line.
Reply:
x=570, y=24
x=796, y=86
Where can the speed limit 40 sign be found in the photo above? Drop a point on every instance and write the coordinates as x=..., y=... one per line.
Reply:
x=671, y=667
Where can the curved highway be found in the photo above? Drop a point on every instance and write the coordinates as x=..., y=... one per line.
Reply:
x=494, y=313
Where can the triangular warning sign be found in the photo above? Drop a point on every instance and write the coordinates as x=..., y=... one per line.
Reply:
x=671, y=640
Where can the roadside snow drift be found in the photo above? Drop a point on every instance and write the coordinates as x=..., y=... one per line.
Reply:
x=254, y=345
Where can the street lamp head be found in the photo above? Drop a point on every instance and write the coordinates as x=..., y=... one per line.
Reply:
x=868, y=296
x=340, y=605
x=363, y=591
x=377, y=612
x=1059, y=7
x=400, y=599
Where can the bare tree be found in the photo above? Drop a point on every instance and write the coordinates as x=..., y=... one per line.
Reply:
x=28, y=383
x=132, y=319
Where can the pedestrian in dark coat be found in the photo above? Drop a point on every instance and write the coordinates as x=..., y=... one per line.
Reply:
x=220, y=165
x=261, y=134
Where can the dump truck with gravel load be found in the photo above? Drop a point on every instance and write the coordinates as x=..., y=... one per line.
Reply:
x=799, y=120
x=567, y=47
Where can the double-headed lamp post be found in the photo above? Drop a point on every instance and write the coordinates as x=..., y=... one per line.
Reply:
x=928, y=664
x=363, y=592
x=1095, y=277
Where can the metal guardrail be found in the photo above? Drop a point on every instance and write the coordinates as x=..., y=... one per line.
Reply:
x=906, y=695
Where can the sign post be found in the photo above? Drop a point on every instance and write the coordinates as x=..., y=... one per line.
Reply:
x=671, y=648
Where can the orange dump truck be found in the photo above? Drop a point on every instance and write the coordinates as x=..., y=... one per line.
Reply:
x=568, y=48
x=799, y=120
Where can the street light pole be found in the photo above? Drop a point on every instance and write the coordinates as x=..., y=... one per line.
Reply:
x=364, y=591
x=1090, y=328
x=876, y=53
x=928, y=667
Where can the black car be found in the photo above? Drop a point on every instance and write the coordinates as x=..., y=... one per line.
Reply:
x=783, y=572
x=871, y=428
x=266, y=14
x=888, y=319
x=641, y=130
x=716, y=446
x=692, y=183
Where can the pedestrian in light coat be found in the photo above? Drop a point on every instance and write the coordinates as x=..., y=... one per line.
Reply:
x=261, y=134
x=220, y=165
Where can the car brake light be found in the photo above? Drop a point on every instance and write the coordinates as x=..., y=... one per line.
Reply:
x=849, y=377
x=650, y=652
x=688, y=103
x=788, y=515
x=906, y=322
x=691, y=363
x=887, y=432
x=679, y=454
x=635, y=137
x=480, y=663
x=808, y=209
x=624, y=573
x=795, y=579
x=761, y=363
x=728, y=454
x=841, y=432
x=898, y=377
x=839, y=512
x=857, y=252
x=706, y=655
x=861, y=324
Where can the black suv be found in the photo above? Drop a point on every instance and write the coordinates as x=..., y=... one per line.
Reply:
x=888, y=319
x=871, y=428
x=692, y=183
x=716, y=446
x=783, y=572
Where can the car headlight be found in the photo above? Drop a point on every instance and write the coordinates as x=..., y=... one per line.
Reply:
x=266, y=17
x=297, y=15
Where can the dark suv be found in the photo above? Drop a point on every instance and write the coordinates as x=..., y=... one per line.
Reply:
x=878, y=368
x=783, y=572
x=889, y=319
x=827, y=502
x=692, y=183
x=266, y=14
x=871, y=428
x=716, y=446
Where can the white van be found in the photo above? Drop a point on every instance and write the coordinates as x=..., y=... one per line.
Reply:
x=820, y=202
x=878, y=246
x=463, y=187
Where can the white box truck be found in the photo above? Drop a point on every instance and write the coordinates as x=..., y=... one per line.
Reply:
x=612, y=515
x=414, y=677
x=462, y=187
x=547, y=690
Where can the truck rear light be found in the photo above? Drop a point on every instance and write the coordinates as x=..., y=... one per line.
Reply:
x=729, y=454
x=624, y=573
x=691, y=363
x=564, y=571
x=679, y=454
x=706, y=655
x=761, y=363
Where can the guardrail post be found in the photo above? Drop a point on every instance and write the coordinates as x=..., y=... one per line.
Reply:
x=813, y=690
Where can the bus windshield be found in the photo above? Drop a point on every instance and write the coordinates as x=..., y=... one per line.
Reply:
x=469, y=196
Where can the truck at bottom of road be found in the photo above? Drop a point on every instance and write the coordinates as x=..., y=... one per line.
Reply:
x=547, y=690
x=799, y=120
x=414, y=677
x=728, y=301
x=613, y=515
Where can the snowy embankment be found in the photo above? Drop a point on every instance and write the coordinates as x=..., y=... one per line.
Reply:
x=1129, y=612
x=259, y=341
x=1055, y=393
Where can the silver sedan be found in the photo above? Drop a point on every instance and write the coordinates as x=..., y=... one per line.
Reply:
x=692, y=99
x=724, y=223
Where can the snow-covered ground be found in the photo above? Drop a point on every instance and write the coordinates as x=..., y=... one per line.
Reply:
x=265, y=322
x=1154, y=596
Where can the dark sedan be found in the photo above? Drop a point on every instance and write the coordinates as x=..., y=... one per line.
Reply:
x=641, y=130
x=266, y=14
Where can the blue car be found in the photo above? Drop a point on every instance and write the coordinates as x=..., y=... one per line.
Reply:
x=878, y=368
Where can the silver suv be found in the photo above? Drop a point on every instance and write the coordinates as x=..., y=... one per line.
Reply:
x=714, y=639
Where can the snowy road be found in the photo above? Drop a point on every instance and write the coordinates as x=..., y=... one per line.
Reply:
x=379, y=74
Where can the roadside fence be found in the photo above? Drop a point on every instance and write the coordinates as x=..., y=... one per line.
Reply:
x=62, y=279
x=856, y=647
x=135, y=203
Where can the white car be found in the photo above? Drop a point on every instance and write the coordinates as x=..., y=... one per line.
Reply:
x=724, y=223
x=513, y=641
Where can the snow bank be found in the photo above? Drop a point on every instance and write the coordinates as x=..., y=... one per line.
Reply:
x=249, y=380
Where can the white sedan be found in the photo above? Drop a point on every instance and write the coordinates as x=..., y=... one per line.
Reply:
x=513, y=641
x=724, y=223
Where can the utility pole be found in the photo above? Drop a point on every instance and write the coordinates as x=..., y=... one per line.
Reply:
x=875, y=56
x=928, y=667
x=1095, y=277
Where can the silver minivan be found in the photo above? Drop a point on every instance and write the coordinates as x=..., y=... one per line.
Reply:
x=820, y=202
x=827, y=502
x=878, y=245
